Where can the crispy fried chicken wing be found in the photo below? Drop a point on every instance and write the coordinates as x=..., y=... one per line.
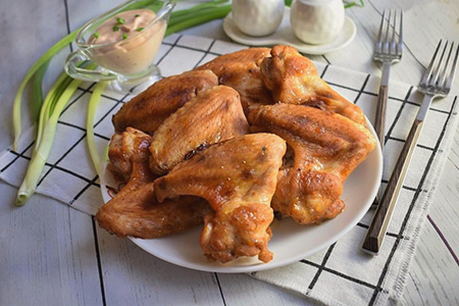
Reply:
x=237, y=178
x=128, y=154
x=134, y=211
x=241, y=71
x=149, y=109
x=213, y=116
x=324, y=148
x=293, y=79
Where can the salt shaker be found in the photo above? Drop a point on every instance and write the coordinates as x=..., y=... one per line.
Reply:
x=317, y=21
x=258, y=17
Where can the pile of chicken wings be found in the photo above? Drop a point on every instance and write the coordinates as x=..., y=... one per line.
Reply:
x=229, y=143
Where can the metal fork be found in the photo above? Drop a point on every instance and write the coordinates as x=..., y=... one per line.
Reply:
x=436, y=82
x=388, y=51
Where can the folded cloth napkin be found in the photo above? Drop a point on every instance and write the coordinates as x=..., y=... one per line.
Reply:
x=338, y=275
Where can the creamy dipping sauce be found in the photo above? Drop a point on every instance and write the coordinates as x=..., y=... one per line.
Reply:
x=128, y=42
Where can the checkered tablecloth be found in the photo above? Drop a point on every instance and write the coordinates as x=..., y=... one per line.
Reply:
x=338, y=275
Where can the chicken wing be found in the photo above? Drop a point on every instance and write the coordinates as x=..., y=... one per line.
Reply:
x=136, y=213
x=134, y=210
x=213, y=116
x=237, y=178
x=149, y=109
x=128, y=154
x=241, y=71
x=293, y=79
x=324, y=148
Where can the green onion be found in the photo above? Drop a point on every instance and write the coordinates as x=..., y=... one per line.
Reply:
x=90, y=139
x=217, y=13
x=96, y=35
x=174, y=19
x=115, y=28
x=52, y=108
x=139, y=29
x=37, y=91
x=32, y=70
x=348, y=4
x=124, y=36
x=199, y=7
x=53, y=95
x=120, y=20
x=136, y=15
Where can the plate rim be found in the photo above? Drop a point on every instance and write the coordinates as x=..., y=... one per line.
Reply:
x=268, y=266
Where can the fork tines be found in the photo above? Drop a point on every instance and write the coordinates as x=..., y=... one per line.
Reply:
x=388, y=44
x=439, y=75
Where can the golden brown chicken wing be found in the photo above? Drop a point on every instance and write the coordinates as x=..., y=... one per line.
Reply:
x=128, y=154
x=214, y=115
x=241, y=71
x=134, y=211
x=149, y=109
x=324, y=148
x=293, y=79
x=237, y=178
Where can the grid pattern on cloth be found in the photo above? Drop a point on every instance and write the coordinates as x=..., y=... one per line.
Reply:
x=340, y=274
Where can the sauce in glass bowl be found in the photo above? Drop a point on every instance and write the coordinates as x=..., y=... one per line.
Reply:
x=128, y=42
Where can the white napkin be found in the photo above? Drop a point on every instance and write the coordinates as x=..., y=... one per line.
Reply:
x=338, y=275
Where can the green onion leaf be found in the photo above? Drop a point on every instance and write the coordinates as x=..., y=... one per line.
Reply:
x=37, y=91
x=30, y=73
x=139, y=29
x=349, y=4
x=217, y=13
x=120, y=20
x=124, y=36
x=90, y=139
x=116, y=28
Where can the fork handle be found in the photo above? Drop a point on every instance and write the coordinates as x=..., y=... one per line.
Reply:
x=382, y=103
x=381, y=219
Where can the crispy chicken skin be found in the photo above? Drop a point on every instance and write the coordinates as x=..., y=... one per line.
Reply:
x=128, y=154
x=324, y=148
x=149, y=109
x=293, y=79
x=237, y=178
x=213, y=116
x=241, y=71
x=134, y=211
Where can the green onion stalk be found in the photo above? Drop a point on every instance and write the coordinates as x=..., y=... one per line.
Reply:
x=90, y=139
x=37, y=91
x=52, y=108
x=197, y=19
x=349, y=4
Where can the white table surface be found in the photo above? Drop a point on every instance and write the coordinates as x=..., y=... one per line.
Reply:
x=51, y=254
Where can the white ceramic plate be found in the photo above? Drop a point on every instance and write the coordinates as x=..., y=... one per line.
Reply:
x=284, y=36
x=290, y=242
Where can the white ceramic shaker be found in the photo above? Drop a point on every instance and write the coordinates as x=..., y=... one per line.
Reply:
x=258, y=17
x=317, y=21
